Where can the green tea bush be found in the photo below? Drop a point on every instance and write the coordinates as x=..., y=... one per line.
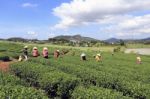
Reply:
x=64, y=51
x=7, y=79
x=10, y=55
x=102, y=79
x=30, y=71
x=13, y=55
x=53, y=81
x=58, y=83
x=4, y=57
x=93, y=92
x=20, y=92
x=9, y=51
x=117, y=49
x=3, y=49
x=117, y=75
x=11, y=47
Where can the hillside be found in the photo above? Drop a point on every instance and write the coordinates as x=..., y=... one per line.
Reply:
x=76, y=38
x=115, y=40
x=146, y=39
x=112, y=40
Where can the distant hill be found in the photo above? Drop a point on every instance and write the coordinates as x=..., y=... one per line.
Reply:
x=79, y=38
x=2, y=39
x=146, y=39
x=112, y=40
x=76, y=38
x=115, y=40
x=19, y=39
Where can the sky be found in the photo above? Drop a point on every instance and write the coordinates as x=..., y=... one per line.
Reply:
x=100, y=19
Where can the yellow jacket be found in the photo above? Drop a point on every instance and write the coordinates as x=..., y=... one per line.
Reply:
x=138, y=58
x=98, y=58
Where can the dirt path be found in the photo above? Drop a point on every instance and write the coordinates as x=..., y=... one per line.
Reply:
x=142, y=51
x=4, y=66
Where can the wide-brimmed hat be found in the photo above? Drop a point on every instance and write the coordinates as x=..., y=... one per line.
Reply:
x=34, y=47
x=98, y=54
x=25, y=46
x=45, y=48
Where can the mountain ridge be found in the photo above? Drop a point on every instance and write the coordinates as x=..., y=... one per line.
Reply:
x=79, y=38
x=75, y=38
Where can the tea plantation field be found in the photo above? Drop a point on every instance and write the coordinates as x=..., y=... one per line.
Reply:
x=116, y=77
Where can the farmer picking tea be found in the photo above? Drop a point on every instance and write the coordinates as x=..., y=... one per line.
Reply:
x=138, y=60
x=35, y=52
x=24, y=54
x=83, y=56
x=45, y=52
x=98, y=57
x=56, y=53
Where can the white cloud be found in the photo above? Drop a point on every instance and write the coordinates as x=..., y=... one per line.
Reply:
x=130, y=26
x=26, y=5
x=111, y=16
x=32, y=34
x=81, y=12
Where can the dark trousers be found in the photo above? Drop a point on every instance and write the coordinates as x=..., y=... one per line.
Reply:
x=46, y=57
x=83, y=57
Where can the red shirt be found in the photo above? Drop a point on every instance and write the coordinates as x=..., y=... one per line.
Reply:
x=35, y=53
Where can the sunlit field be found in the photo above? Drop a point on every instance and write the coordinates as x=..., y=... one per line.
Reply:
x=74, y=49
x=115, y=77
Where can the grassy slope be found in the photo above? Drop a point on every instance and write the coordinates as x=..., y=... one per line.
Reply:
x=119, y=65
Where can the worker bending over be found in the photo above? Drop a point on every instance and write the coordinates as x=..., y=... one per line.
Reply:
x=83, y=56
x=98, y=57
x=35, y=52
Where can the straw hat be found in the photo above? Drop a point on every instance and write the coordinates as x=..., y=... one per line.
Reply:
x=45, y=48
x=25, y=46
x=34, y=47
x=98, y=54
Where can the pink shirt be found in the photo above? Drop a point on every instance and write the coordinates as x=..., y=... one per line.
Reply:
x=45, y=53
x=35, y=53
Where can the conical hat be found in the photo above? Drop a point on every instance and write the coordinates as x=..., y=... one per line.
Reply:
x=98, y=54
x=34, y=47
x=25, y=46
x=45, y=48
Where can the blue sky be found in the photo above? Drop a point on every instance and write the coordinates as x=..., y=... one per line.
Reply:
x=99, y=19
